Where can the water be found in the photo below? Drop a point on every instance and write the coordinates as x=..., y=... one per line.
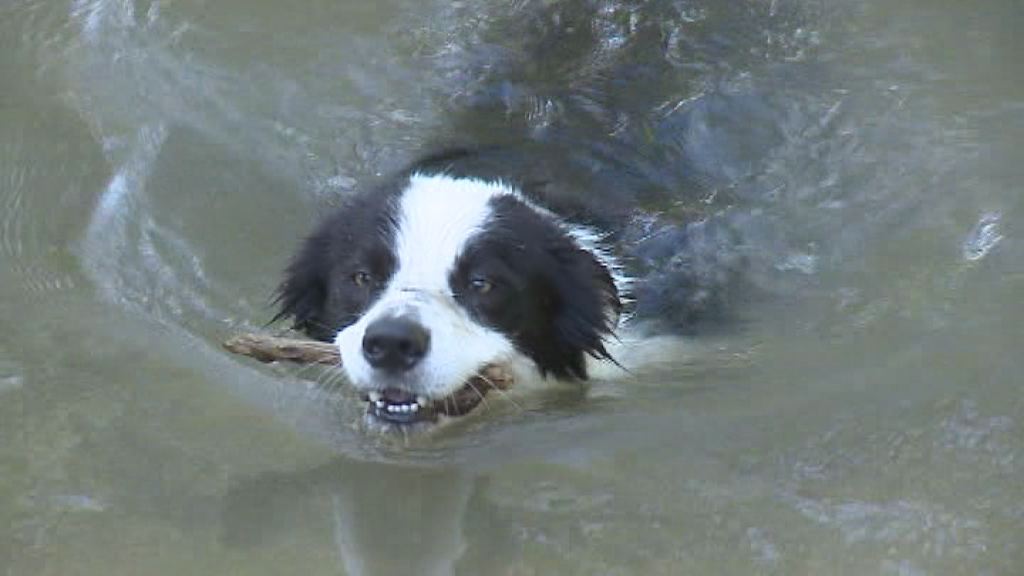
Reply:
x=859, y=410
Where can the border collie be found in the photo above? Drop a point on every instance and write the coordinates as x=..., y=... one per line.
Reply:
x=456, y=266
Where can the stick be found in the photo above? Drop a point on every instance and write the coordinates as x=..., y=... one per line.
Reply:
x=275, y=349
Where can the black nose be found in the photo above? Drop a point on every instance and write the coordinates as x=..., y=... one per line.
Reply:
x=395, y=344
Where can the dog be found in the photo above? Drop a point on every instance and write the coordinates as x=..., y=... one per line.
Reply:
x=460, y=264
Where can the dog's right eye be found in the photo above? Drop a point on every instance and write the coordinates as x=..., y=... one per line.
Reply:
x=481, y=285
x=361, y=278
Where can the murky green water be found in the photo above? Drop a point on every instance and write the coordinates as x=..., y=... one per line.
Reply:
x=862, y=414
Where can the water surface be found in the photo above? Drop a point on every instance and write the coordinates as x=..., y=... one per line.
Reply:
x=859, y=410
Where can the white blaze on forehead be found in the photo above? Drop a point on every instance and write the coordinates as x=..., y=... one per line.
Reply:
x=437, y=216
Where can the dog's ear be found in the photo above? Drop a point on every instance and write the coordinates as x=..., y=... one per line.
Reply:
x=588, y=309
x=302, y=296
x=309, y=293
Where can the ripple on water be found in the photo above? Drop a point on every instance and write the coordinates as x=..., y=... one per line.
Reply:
x=935, y=529
x=23, y=240
x=11, y=377
x=11, y=208
x=983, y=237
x=112, y=228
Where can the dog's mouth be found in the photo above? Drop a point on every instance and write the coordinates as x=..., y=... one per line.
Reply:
x=401, y=407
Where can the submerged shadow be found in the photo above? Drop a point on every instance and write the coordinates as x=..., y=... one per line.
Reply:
x=380, y=518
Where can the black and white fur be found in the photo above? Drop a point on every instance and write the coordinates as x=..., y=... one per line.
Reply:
x=424, y=281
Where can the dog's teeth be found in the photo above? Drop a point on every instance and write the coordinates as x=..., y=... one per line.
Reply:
x=411, y=407
x=374, y=396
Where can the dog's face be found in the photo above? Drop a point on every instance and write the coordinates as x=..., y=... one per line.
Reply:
x=424, y=286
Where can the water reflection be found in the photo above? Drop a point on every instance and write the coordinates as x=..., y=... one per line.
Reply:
x=381, y=518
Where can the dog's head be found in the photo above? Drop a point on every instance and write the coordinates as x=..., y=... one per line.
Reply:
x=426, y=285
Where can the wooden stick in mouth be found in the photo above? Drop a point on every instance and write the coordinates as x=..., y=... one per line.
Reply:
x=275, y=349
x=268, y=349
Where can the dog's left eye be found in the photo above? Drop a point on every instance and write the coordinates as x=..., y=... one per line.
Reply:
x=481, y=285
